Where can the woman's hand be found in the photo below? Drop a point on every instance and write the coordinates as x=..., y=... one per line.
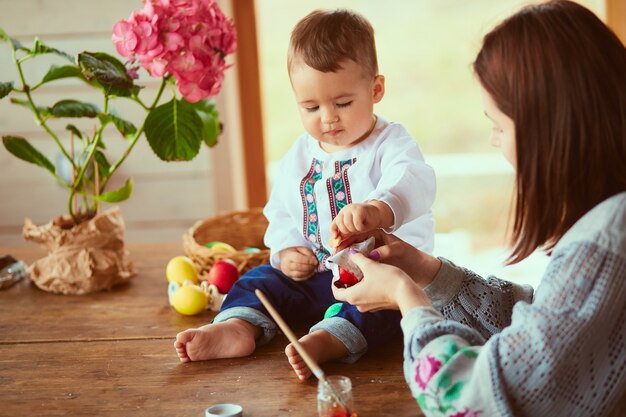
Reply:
x=391, y=250
x=382, y=287
x=298, y=262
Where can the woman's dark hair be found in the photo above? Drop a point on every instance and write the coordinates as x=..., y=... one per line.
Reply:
x=560, y=74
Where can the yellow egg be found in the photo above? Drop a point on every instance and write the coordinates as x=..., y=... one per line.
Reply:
x=220, y=246
x=189, y=300
x=180, y=269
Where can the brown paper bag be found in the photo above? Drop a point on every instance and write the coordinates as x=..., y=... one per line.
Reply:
x=81, y=259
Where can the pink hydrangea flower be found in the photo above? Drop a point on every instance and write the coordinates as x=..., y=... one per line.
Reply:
x=124, y=38
x=188, y=39
x=425, y=369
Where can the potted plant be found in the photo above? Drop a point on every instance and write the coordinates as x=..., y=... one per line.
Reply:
x=184, y=43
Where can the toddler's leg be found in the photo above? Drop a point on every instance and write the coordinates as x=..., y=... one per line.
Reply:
x=321, y=347
x=242, y=322
x=232, y=338
x=346, y=336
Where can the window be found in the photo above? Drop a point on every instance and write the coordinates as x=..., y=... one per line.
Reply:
x=425, y=51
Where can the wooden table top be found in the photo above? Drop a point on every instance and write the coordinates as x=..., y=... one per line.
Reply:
x=111, y=353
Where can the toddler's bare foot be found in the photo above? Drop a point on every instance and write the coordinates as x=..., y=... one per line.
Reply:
x=232, y=338
x=321, y=347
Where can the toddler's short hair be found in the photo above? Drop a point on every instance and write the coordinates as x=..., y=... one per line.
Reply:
x=325, y=38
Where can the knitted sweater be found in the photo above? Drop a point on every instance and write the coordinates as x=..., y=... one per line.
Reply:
x=491, y=348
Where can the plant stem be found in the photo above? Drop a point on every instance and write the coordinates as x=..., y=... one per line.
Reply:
x=97, y=185
x=141, y=103
x=73, y=202
x=40, y=120
x=85, y=164
x=115, y=166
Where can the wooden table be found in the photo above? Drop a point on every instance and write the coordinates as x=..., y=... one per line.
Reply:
x=111, y=354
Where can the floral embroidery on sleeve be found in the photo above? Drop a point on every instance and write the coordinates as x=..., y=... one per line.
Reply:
x=438, y=390
x=425, y=369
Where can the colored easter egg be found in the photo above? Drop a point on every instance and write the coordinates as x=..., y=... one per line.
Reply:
x=189, y=300
x=180, y=269
x=223, y=274
x=252, y=250
x=220, y=247
x=333, y=310
x=346, y=279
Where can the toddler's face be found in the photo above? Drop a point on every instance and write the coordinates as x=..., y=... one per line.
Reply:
x=336, y=108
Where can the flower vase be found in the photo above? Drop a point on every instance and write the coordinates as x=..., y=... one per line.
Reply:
x=82, y=258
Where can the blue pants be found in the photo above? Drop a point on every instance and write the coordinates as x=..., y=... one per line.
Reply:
x=304, y=303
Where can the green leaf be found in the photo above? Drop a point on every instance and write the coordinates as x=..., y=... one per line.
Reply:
x=74, y=130
x=454, y=392
x=126, y=128
x=118, y=195
x=26, y=103
x=469, y=352
x=174, y=131
x=103, y=164
x=22, y=149
x=74, y=108
x=56, y=73
x=210, y=121
x=421, y=401
x=107, y=72
x=449, y=351
x=444, y=380
x=6, y=88
x=427, y=402
x=39, y=48
x=14, y=43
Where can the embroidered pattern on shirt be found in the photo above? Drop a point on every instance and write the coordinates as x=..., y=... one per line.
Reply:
x=338, y=187
x=339, y=195
x=310, y=221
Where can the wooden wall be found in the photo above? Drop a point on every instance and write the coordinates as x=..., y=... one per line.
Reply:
x=168, y=197
x=616, y=17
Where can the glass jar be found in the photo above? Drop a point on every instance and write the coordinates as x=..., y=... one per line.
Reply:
x=11, y=271
x=334, y=397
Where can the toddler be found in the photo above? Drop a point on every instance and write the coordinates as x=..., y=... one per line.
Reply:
x=352, y=171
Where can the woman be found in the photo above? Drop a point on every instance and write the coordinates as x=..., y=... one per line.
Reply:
x=553, y=79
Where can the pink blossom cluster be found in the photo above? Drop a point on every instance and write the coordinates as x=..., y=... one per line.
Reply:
x=188, y=39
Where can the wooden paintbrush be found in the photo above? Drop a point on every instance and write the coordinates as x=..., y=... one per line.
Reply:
x=315, y=368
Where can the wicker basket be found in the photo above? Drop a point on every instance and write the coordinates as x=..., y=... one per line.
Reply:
x=240, y=229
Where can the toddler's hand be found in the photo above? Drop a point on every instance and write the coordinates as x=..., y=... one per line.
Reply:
x=298, y=263
x=360, y=218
